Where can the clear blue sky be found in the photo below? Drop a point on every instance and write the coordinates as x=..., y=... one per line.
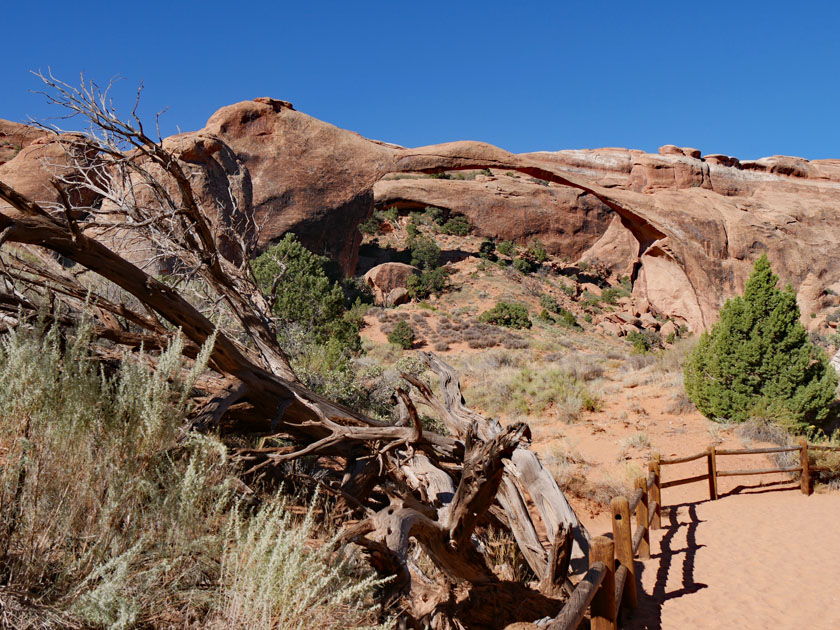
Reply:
x=739, y=77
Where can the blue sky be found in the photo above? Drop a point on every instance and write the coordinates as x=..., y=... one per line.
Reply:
x=743, y=78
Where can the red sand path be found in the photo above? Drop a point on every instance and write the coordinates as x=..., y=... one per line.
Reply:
x=761, y=558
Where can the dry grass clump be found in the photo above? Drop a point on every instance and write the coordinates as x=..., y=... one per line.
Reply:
x=664, y=367
x=530, y=391
x=761, y=428
x=574, y=482
x=506, y=559
x=638, y=442
x=680, y=404
x=109, y=518
x=769, y=427
x=272, y=578
x=636, y=362
x=575, y=478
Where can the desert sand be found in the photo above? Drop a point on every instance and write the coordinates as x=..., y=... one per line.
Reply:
x=765, y=558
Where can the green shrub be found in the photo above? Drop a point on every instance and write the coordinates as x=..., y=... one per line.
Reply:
x=412, y=228
x=433, y=214
x=369, y=226
x=435, y=281
x=425, y=253
x=549, y=303
x=391, y=214
x=590, y=299
x=537, y=252
x=610, y=295
x=313, y=325
x=459, y=226
x=645, y=340
x=759, y=355
x=487, y=249
x=506, y=248
x=302, y=294
x=625, y=283
x=510, y=314
x=523, y=265
x=567, y=318
x=402, y=335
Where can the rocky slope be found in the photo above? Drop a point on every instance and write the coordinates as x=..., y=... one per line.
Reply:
x=684, y=227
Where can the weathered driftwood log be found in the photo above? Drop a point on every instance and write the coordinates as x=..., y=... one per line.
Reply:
x=530, y=496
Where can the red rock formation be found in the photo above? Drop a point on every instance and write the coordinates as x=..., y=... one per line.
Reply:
x=41, y=158
x=685, y=229
x=14, y=137
x=565, y=220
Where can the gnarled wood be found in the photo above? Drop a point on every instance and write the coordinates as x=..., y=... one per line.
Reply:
x=529, y=493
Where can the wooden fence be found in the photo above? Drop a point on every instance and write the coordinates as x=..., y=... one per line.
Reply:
x=713, y=473
x=610, y=583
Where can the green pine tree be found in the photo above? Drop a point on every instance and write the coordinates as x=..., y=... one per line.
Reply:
x=759, y=356
x=309, y=306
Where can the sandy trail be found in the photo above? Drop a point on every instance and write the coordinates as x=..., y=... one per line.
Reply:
x=760, y=558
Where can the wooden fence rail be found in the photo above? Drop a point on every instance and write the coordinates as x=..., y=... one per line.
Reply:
x=713, y=473
x=610, y=583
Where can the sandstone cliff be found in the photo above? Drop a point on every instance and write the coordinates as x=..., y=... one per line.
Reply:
x=685, y=228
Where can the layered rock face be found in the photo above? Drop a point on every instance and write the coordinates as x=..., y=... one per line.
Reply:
x=714, y=216
x=566, y=220
x=684, y=227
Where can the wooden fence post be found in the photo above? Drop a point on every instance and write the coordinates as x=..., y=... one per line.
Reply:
x=805, y=477
x=713, y=493
x=602, y=610
x=623, y=537
x=656, y=490
x=642, y=518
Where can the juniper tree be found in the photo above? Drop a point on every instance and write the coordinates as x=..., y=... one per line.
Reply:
x=759, y=355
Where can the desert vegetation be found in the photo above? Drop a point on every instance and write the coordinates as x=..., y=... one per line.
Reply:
x=114, y=518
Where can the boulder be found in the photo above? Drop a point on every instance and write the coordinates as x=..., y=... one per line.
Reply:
x=610, y=328
x=594, y=289
x=387, y=279
x=397, y=296
x=621, y=318
x=649, y=321
x=42, y=158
